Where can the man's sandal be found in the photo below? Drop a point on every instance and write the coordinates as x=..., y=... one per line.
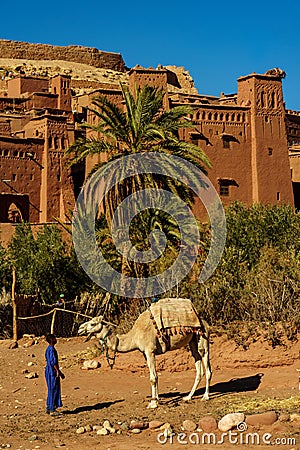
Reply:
x=55, y=414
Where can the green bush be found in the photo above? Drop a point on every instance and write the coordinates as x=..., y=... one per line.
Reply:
x=5, y=269
x=258, y=276
x=44, y=266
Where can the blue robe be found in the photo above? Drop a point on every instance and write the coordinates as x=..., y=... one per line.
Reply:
x=53, y=382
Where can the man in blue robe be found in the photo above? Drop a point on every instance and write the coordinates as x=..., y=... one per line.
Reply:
x=53, y=374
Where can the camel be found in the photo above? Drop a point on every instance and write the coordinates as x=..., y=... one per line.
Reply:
x=143, y=337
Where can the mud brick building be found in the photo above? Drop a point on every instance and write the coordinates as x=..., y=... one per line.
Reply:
x=36, y=126
x=245, y=135
x=252, y=141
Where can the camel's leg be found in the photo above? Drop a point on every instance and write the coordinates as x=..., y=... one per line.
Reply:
x=203, y=348
x=207, y=368
x=199, y=371
x=153, y=380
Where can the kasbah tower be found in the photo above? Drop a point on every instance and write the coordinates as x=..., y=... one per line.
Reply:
x=250, y=138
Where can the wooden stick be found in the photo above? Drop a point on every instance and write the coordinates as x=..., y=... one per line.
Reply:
x=53, y=321
x=50, y=312
x=14, y=305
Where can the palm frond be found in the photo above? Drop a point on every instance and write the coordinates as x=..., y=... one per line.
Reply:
x=175, y=118
x=82, y=148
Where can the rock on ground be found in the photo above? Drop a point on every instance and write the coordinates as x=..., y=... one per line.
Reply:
x=13, y=345
x=230, y=421
x=267, y=418
x=208, y=424
x=189, y=425
x=155, y=424
x=137, y=424
x=31, y=375
x=102, y=432
x=90, y=364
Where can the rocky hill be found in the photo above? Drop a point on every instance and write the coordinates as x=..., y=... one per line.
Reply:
x=89, y=68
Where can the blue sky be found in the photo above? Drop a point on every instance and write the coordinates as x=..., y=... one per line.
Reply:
x=217, y=41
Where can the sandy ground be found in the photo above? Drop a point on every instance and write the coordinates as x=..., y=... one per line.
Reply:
x=253, y=380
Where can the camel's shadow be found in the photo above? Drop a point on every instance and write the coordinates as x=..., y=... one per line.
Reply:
x=95, y=407
x=235, y=385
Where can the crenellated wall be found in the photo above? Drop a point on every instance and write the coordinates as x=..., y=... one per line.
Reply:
x=74, y=53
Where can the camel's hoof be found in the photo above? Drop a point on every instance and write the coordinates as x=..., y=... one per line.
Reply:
x=153, y=404
x=186, y=399
x=205, y=398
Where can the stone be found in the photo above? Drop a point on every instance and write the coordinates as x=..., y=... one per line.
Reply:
x=267, y=418
x=284, y=417
x=136, y=430
x=30, y=364
x=137, y=424
x=165, y=425
x=31, y=375
x=33, y=438
x=189, y=425
x=208, y=424
x=90, y=364
x=97, y=427
x=167, y=429
x=80, y=430
x=107, y=425
x=230, y=421
x=124, y=426
x=295, y=417
x=13, y=345
x=154, y=424
x=29, y=343
x=102, y=432
x=88, y=428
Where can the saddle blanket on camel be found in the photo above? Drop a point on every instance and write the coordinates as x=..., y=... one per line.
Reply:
x=171, y=316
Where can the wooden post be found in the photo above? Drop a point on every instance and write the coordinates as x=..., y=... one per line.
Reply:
x=75, y=321
x=14, y=305
x=53, y=322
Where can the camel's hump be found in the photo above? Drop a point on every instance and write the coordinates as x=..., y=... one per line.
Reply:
x=174, y=312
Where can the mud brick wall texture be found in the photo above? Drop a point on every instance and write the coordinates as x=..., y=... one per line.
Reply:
x=74, y=53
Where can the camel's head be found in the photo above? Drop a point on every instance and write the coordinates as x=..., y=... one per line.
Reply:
x=93, y=326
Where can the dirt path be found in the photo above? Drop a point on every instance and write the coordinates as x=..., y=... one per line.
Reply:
x=255, y=380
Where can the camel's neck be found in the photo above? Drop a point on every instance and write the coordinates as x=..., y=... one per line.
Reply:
x=121, y=343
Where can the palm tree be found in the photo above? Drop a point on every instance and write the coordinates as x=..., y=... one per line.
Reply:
x=142, y=127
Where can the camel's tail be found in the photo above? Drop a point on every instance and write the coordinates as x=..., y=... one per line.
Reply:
x=205, y=329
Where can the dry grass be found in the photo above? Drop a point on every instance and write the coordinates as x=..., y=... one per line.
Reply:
x=261, y=404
